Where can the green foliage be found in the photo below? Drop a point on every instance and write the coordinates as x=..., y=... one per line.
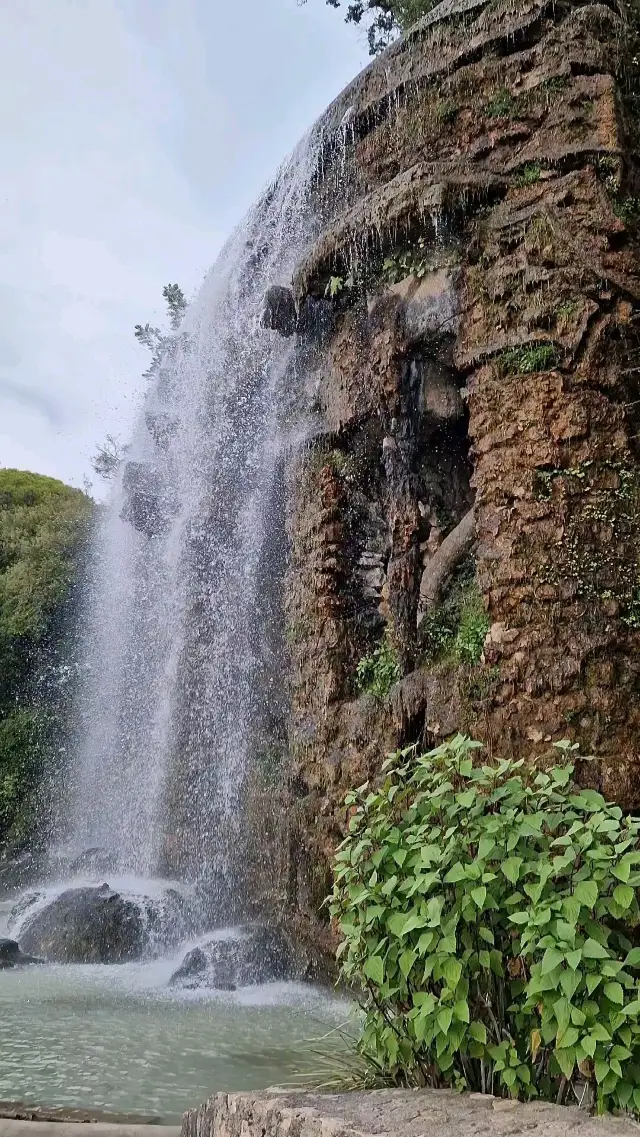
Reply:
x=154, y=339
x=457, y=627
x=42, y=526
x=376, y=673
x=472, y=629
x=446, y=111
x=412, y=261
x=337, y=284
x=628, y=210
x=107, y=458
x=529, y=174
x=383, y=18
x=502, y=105
x=488, y=915
x=528, y=358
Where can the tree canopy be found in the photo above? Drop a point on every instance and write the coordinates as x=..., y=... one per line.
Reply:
x=383, y=19
x=42, y=527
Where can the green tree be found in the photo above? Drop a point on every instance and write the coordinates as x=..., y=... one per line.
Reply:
x=383, y=19
x=154, y=339
x=43, y=525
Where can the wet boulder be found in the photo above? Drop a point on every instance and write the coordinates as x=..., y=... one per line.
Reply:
x=94, y=862
x=147, y=505
x=254, y=955
x=279, y=312
x=12, y=956
x=87, y=925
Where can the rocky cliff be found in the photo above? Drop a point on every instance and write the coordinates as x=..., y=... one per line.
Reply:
x=463, y=524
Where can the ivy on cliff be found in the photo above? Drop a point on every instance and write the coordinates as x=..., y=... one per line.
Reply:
x=42, y=527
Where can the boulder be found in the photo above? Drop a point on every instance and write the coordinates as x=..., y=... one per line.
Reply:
x=87, y=925
x=12, y=956
x=256, y=955
x=147, y=506
x=279, y=312
x=96, y=862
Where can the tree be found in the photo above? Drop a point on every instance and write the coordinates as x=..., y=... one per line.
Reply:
x=154, y=339
x=107, y=458
x=384, y=18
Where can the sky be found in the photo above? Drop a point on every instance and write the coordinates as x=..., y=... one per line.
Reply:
x=134, y=135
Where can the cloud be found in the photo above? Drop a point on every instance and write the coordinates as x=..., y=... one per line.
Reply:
x=135, y=134
x=29, y=397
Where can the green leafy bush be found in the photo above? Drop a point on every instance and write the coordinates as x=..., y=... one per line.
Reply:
x=488, y=913
x=376, y=673
x=43, y=524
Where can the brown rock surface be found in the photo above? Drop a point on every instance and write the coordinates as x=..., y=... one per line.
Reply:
x=391, y=1113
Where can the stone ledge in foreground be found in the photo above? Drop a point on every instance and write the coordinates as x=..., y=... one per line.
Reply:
x=391, y=1113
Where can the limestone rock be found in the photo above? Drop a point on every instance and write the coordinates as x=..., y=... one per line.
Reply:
x=390, y=1113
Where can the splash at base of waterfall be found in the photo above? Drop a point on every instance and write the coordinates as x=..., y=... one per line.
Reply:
x=119, y=1038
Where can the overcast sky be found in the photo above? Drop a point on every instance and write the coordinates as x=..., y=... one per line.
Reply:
x=134, y=135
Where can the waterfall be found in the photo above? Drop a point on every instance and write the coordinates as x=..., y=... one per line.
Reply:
x=169, y=689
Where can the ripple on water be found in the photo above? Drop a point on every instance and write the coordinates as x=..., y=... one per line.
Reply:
x=117, y=1038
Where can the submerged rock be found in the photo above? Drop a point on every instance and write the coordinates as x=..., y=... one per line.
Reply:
x=12, y=956
x=87, y=925
x=97, y=861
x=255, y=955
x=99, y=925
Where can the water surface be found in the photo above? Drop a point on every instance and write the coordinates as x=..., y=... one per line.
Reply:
x=117, y=1038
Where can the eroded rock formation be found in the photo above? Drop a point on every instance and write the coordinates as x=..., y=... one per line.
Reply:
x=467, y=507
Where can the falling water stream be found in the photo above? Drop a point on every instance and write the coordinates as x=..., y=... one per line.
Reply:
x=168, y=697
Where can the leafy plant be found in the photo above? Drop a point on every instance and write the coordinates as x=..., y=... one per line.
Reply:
x=487, y=913
x=502, y=105
x=527, y=359
x=412, y=261
x=472, y=629
x=529, y=174
x=447, y=111
x=628, y=210
x=384, y=18
x=107, y=458
x=43, y=525
x=376, y=673
x=154, y=339
x=457, y=627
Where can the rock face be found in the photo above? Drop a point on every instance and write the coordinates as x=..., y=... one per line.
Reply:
x=259, y=955
x=482, y=260
x=98, y=925
x=390, y=1113
x=12, y=956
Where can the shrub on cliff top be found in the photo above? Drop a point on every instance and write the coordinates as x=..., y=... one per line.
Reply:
x=488, y=915
x=383, y=18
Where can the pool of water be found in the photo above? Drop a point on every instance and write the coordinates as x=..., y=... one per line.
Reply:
x=118, y=1038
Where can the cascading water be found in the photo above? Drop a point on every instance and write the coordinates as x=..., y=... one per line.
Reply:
x=169, y=688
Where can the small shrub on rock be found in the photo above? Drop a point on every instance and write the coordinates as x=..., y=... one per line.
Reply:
x=489, y=914
x=376, y=673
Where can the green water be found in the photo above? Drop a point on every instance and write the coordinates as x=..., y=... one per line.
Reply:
x=118, y=1039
